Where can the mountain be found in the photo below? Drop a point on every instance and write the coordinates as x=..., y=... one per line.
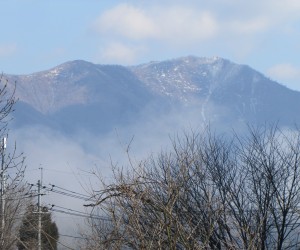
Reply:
x=79, y=120
x=235, y=91
x=79, y=95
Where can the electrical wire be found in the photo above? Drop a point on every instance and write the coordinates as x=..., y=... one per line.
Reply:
x=80, y=215
x=74, y=237
x=21, y=198
x=83, y=195
x=69, y=209
x=66, y=194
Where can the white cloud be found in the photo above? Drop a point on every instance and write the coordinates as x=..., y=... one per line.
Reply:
x=175, y=24
x=127, y=21
x=284, y=71
x=287, y=74
x=186, y=25
x=286, y=7
x=7, y=49
x=251, y=26
x=272, y=10
x=233, y=29
x=117, y=52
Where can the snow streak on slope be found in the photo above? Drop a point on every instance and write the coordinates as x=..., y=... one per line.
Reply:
x=174, y=78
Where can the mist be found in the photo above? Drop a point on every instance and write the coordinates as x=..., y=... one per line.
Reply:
x=70, y=161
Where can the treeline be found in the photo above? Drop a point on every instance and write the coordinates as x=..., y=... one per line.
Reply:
x=208, y=192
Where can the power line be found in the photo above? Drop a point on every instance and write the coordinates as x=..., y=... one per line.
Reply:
x=69, y=209
x=84, y=195
x=80, y=215
x=74, y=237
x=66, y=194
x=21, y=198
x=77, y=213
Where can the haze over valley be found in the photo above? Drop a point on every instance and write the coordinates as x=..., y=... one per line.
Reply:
x=110, y=86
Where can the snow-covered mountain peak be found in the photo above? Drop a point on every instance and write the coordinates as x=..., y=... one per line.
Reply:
x=184, y=77
x=190, y=80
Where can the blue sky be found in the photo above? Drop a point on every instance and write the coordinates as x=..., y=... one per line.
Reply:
x=40, y=34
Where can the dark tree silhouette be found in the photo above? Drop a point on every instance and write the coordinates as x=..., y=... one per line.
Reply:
x=28, y=233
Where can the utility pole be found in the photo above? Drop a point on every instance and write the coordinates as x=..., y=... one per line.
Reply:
x=40, y=183
x=2, y=176
x=39, y=216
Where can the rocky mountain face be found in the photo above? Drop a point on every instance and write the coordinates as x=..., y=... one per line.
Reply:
x=221, y=88
x=81, y=95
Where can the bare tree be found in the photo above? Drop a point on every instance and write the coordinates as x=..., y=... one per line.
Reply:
x=208, y=192
x=272, y=158
x=13, y=188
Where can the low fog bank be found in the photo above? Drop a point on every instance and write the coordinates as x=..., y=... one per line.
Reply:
x=69, y=162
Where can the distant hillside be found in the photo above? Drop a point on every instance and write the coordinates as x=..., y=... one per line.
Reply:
x=81, y=95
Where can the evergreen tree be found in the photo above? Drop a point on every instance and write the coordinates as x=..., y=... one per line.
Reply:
x=28, y=233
